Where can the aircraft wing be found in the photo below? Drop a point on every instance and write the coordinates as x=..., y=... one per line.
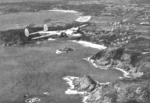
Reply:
x=47, y=32
x=43, y=36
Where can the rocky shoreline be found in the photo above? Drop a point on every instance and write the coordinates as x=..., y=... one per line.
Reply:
x=118, y=58
x=122, y=91
x=123, y=34
x=89, y=44
x=132, y=88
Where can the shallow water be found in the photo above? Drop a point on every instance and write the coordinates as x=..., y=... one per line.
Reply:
x=40, y=70
x=23, y=19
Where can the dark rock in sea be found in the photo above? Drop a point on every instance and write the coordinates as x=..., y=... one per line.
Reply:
x=33, y=100
x=64, y=50
x=85, y=83
x=67, y=49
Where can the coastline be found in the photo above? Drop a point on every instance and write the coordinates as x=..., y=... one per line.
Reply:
x=125, y=73
x=110, y=62
x=51, y=39
x=67, y=11
x=89, y=44
x=71, y=90
x=92, y=62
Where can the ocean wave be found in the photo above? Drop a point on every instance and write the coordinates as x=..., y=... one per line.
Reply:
x=66, y=11
x=91, y=61
x=89, y=44
x=72, y=91
x=125, y=73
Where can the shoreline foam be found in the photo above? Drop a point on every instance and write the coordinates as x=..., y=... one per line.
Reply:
x=92, y=62
x=71, y=90
x=67, y=11
x=51, y=39
x=58, y=52
x=125, y=73
x=89, y=44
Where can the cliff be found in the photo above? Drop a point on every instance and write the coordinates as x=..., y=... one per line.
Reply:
x=112, y=58
x=122, y=91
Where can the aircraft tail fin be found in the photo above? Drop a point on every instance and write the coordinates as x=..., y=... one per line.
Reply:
x=26, y=31
x=45, y=27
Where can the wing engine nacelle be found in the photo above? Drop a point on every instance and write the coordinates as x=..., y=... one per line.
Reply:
x=45, y=27
x=27, y=34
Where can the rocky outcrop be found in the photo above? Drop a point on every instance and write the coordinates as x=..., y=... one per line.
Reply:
x=121, y=91
x=131, y=62
x=64, y=50
x=85, y=83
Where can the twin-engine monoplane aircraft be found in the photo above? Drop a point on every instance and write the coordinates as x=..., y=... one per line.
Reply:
x=70, y=33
